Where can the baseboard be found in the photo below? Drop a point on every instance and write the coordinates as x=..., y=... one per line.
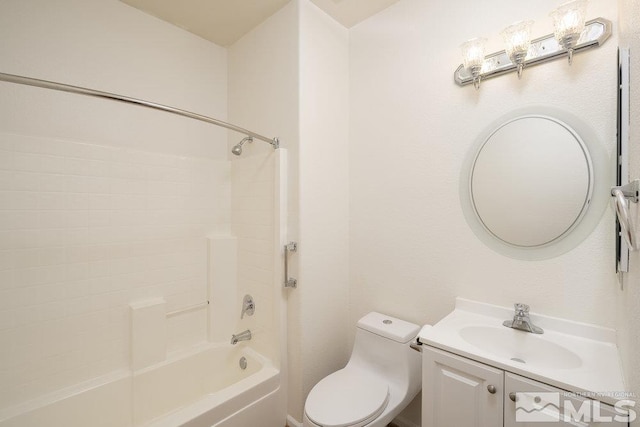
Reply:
x=292, y=422
x=402, y=422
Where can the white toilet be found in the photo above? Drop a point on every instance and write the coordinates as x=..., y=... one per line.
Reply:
x=383, y=375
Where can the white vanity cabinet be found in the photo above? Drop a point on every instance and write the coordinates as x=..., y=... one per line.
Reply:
x=459, y=392
x=553, y=404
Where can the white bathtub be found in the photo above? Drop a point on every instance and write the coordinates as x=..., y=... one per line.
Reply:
x=203, y=388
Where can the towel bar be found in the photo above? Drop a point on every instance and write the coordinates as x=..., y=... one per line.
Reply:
x=622, y=195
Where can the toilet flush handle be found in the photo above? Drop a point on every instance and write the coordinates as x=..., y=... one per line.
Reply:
x=416, y=345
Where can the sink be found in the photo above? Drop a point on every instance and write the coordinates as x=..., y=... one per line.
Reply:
x=569, y=355
x=520, y=347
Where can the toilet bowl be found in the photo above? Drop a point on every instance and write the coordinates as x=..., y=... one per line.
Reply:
x=382, y=376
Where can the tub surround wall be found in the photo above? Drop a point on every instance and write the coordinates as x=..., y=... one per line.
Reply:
x=148, y=332
x=253, y=223
x=223, y=287
x=107, y=45
x=108, y=204
x=86, y=230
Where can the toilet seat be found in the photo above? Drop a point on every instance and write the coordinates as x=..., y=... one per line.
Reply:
x=347, y=398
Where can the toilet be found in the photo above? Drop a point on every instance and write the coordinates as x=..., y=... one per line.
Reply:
x=382, y=376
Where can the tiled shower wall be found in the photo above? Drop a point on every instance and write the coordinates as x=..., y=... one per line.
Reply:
x=85, y=230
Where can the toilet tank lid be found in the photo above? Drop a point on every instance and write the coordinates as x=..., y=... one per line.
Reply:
x=389, y=327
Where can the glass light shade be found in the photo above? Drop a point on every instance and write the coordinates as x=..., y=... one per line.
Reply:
x=473, y=57
x=517, y=39
x=473, y=52
x=568, y=21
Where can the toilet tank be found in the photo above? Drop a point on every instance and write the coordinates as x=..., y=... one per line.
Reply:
x=382, y=346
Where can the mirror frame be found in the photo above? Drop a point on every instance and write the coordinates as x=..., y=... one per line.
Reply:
x=590, y=215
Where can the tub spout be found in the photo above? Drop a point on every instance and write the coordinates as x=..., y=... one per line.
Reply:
x=242, y=336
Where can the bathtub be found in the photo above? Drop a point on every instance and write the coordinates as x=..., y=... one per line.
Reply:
x=204, y=387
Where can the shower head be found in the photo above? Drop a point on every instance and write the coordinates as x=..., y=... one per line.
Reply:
x=237, y=149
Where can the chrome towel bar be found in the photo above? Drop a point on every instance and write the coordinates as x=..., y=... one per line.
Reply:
x=622, y=195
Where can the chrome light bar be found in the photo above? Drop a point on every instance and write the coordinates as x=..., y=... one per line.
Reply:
x=542, y=49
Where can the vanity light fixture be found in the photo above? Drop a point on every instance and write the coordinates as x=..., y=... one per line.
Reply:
x=473, y=58
x=517, y=39
x=571, y=35
x=568, y=21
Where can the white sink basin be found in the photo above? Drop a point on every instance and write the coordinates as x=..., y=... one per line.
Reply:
x=568, y=355
x=520, y=346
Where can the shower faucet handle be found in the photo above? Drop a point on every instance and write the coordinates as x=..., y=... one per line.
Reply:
x=248, y=306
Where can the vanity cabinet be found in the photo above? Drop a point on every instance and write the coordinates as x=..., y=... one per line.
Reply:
x=554, y=404
x=459, y=392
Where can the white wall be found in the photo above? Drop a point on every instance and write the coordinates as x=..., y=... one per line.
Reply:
x=322, y=300
x=107, y=203
x=411, y=127
x=628, y=307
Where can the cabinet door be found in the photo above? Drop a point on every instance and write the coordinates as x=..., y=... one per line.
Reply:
x=458, y=392
x=538, y=405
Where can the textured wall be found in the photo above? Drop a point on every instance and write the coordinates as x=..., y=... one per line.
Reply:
x=324, y=198
x=411, y=127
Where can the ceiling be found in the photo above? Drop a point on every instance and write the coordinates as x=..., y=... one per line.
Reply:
x=225, y=21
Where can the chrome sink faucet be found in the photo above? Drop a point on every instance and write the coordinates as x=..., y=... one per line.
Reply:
x=521, y=320
x=242, y=336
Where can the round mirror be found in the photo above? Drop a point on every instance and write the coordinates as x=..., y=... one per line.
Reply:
x=530, y=184
x=542, y=181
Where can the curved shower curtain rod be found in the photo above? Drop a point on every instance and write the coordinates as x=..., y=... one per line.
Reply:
x=12, y=78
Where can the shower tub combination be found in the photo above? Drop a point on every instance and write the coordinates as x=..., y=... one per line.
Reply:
x=210, y=385
x=202, y=388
